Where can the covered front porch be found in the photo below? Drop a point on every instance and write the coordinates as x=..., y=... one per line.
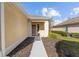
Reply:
x=39, y=27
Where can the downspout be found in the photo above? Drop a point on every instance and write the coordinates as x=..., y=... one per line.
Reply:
x=66, y=30
x=50, y=20
x=49, y=25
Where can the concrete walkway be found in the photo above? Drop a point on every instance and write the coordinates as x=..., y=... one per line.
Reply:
x=38, y=49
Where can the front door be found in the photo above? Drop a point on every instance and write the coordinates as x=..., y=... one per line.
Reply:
x=33, y=30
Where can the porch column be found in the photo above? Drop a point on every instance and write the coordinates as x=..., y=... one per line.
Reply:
x=46, y=26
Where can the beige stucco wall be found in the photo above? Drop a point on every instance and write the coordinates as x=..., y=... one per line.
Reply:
x=16, y=24
x=73, y=28
x=59, y=29
x=46, y=26
x=29, y=25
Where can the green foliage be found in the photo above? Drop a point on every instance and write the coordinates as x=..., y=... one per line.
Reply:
x=69, y=48
x=54, y=35
x=60, y=32
x=69, y=45
x=60, y=37
x=75, y=35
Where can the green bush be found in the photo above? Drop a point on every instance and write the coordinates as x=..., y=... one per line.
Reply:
x=60, y=37
x=60, y=32
x=54, y=35
x=69, y=48
x=75, y=35
x=69, y=45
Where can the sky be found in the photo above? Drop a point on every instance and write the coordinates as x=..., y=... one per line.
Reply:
x=57, y=11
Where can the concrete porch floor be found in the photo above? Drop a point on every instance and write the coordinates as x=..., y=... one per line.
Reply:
x=38, y=49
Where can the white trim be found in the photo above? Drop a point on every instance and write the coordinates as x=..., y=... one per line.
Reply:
x=11, y=47
x=2, y=30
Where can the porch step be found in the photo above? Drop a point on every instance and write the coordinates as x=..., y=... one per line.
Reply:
x=37, y=38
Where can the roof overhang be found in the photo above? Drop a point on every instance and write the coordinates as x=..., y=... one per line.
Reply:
x=56, y=26
x=38, y=18
x=31, y=17
x=69, y=22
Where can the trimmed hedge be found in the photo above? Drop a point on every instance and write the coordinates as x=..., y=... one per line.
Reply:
x=60, y=32
x=75, y=35
x=54, y=35
x=60, y=37
x=68, y=48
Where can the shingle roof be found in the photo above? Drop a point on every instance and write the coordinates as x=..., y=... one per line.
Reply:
x=71, y=21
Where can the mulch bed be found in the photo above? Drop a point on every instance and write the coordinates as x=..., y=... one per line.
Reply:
x=23, y=49
x=61, y=48
x=68, y=48
x=50, y=47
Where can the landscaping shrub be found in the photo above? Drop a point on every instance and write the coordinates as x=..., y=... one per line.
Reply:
x=67, y=46
x=60, y=37
x=60, y=32
x=54, y=35
x=75, y=35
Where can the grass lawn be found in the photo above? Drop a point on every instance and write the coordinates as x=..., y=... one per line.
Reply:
x=68, y=46
x=59, y=37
